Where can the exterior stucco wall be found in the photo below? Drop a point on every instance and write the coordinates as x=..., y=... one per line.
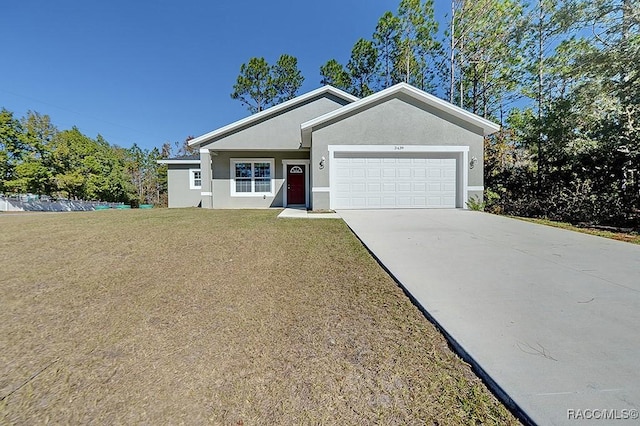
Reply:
x=277, y=132
x=178, y=186
x=476, y=195
x=400, y=121
x=222, y=198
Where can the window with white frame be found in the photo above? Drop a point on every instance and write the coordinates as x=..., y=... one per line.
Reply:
x=195, y=179
x=252, y=176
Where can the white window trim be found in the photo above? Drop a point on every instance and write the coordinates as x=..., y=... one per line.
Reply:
x=232, y=175
x=192, y=179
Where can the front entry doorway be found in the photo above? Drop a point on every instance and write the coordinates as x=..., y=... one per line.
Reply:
x=296, y=184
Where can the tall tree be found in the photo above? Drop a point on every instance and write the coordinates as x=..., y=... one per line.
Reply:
x=37, y=136
x=28, y=148
x=362, y=67
x=70, y=148
x=260, y=85
x=254, y=86
x=548, y=68
x=386, y=40
x=181, y=148
x=486, y=49
x=38, y=131
x=612, y=81
x=287, y=78
x=334, y=74
x=418, y=46
x=11, y=146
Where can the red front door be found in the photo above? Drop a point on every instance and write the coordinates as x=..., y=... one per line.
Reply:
x=296, y=184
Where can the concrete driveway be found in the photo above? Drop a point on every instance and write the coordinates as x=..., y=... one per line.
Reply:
x=551, y=316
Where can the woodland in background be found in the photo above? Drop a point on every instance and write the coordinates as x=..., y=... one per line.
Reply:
x=560, y=76
x=37, y=158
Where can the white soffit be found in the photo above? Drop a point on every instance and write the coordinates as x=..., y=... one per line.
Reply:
x=177, y=161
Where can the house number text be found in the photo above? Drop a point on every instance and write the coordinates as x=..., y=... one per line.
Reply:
x=398, y=148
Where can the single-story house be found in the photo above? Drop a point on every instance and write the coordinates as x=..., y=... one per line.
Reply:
x=327, y=150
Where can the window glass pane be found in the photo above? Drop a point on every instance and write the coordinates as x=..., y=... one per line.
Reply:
x=243, y=170
x=263, y=185
x=262, y=170
x=243, y=185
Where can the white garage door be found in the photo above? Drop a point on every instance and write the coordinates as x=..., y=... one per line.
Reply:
x=378, y=181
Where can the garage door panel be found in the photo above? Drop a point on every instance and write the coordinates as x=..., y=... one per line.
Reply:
x=434, y=172
x=343, y=188
x=435, y=201
x=389, y=187
x=377, y=181
x=358, y=173
x=343, y=201
x=419, y=173
x=404, y=202
x=450, y=173
x=358, y=187
x=343, y=173
x=403, y=187
x=374, y=187
x=437, y=161
x=358, y=202
x=419, y=186
x=403, y=173
x=374, y=202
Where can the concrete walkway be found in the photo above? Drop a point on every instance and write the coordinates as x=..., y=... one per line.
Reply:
x=303, y=213
x=551, y=316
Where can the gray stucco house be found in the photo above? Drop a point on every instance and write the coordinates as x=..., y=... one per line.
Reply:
x=326, y=149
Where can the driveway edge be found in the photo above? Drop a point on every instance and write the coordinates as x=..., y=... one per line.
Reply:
x=515, y=409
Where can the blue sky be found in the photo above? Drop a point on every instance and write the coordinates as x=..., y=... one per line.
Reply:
x=149, y=72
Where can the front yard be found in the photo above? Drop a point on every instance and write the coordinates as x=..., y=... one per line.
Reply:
x=225, y=317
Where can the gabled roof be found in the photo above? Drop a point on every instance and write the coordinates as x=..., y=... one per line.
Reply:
x=488, y=127
x=274, y=110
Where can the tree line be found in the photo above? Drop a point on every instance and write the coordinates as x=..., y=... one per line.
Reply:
x=37, y=158
x=560, y=76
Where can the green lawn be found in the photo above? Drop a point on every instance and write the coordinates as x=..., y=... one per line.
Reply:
x=225, y=317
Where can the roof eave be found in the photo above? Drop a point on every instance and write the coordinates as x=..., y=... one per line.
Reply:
x=488, y=127
x=168, y=161
x=271, y=111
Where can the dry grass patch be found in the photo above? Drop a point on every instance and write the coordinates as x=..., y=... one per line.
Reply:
x=224, y=317
x=628, y=237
